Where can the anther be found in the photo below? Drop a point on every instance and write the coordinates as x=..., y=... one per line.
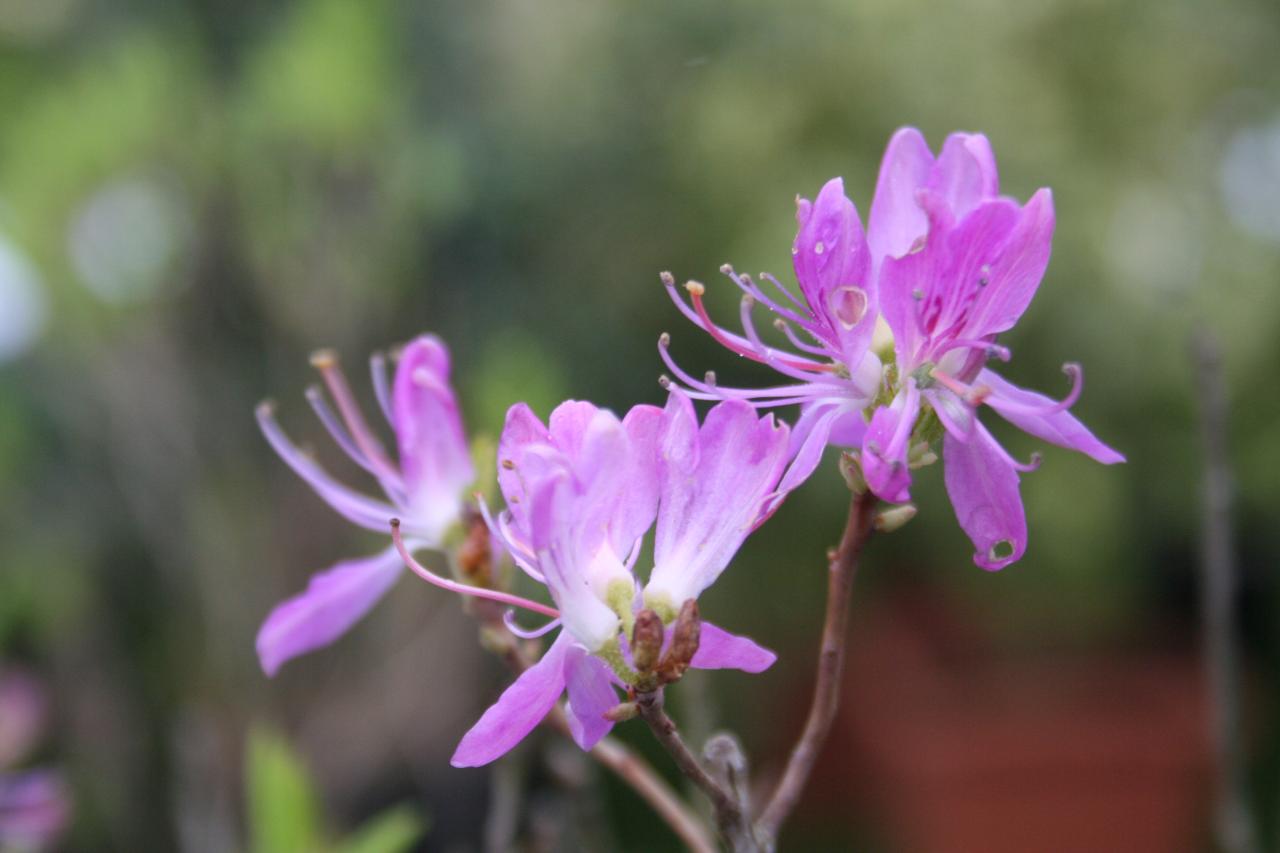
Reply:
x=726, y=269
x=695, y=288
x=667, y=278
x=323, y=359
x=710, y=377
x=664, y=339
x=665, y=381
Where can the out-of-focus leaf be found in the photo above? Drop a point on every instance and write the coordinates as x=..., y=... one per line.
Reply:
x=393, y=831
x=284, y=813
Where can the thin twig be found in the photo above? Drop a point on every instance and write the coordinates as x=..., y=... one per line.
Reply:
x=631, y=769
x=1234, y=823
x=826, y=692
x=729, y=815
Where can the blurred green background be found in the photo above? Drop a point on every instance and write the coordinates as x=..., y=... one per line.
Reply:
x=194, y=195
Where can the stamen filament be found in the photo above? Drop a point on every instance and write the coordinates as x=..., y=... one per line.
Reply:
x=326, y=361
x=461, y=588
x=381, y=385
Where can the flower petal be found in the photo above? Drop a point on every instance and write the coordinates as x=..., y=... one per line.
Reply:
x=896, y=219
x=1017, y=269
x=518, y=710
x=591, y=694
x=1056, y=427
x=718, y=649
x=965, y=173
x=334, y=600
x=983, y=486
x=521, y=429
x=885, y=447
x=708, y=510
x=434, y=456
x=833, y=266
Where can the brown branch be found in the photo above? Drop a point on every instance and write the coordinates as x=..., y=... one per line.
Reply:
x=629, y=767
x=826, y=692
x=732, y=821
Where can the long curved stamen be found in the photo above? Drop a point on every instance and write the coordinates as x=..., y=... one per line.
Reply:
x=739, y=345
x=520, y=553
x=509, y=619
x=360, y=509
x=989, y=347
x=461, y=588
x=1073, y=371
x=336, y=430
x=326, y=361
x=382, y=385
x=783, y=326
x=393, y=485
x=974, y=395
x=763, y=403
x=717, y=392
x=750, y=288
x=795, y=300
x=785, y=366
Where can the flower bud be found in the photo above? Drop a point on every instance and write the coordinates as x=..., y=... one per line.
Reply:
x=889, y=520
x=851, y=470
x=685, y=635
x=646, y=640
x=622, y=712
x=475, y=553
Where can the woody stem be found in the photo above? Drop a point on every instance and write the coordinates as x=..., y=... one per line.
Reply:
x=826, y=692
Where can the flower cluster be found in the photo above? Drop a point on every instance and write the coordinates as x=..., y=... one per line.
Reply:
x=900, y=322
x=888, y=344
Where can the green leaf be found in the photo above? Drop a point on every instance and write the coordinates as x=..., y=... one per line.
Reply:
x=284, y=810
x=393, y=831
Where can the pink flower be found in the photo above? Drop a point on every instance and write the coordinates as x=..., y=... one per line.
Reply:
x=425, y=486
x=833, y=374
x=958, y=264
x=581, y=494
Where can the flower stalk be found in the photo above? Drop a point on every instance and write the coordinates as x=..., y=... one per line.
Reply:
x=826, y=691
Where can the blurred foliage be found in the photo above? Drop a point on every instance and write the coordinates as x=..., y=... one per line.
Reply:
x=206, y=190
x=285, y=812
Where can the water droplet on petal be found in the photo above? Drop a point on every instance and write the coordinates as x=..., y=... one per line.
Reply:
x=818, y=248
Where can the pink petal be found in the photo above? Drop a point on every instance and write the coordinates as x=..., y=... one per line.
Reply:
x=808, y=440
x=521, y=429
x=896, y=220
x=965, y=173
x=1056, y=427
x=591, y=694
x=518, y=710
x=708, y=510
x=434, y=456
x=983, y=486
x=334, y=600
x=885, y=447
x=833, y=266
x=639, y=504
x=718, y=649
x=1015, y=273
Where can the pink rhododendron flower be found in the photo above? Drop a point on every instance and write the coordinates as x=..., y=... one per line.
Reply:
x=581, y=493
x=958, y=266
x=945, y=266
x=425, y=487
x=834, y=375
